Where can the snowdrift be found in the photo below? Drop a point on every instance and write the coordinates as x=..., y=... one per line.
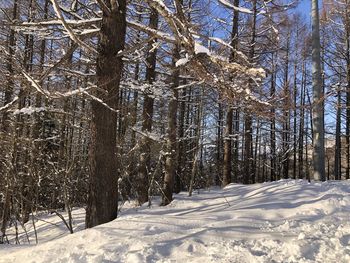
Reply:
x=284, y=221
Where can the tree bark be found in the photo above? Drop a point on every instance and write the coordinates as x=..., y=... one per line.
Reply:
x=301, y=124
x=147, y=115
x=248, y=140
x=171, y=154
x=337, y=152
x=102, y=205
x=318, y=97
x=273, y=124
x=347, y=27
x=227, y=169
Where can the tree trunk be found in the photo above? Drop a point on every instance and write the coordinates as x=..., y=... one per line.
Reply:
x=248, y=140
x=227, y=169
x=9, y=86
x=181, y=167
x=102, y=205
x=301, y=124
x=337, y=152
x=236, y=146
x=318, y=97
x=273, y=124
x=286, y=115
x=197, y=144
x=228, y=148
x=5, y=215
x=295, y=95
x=218, y=180
x=171, y=155
x=347, y=175
x=147, y=115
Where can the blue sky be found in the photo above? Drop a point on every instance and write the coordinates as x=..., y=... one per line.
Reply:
x=305, y=6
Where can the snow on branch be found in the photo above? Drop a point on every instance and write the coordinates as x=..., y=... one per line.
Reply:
x=204, y=65
x=8, y=105
x=84, y=91
x=36, y=85
x=152, y=136
x=155, y=33
x=59, y=95
x=29, y=110
x=60, y=62
x=235, y=8
x=55, y=22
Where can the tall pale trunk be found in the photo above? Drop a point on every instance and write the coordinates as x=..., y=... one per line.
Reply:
x=301, y=123
x=318, y=96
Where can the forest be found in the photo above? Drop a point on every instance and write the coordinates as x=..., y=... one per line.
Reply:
x=107, y=101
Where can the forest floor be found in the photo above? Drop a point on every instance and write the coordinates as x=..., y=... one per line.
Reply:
x=284, y=221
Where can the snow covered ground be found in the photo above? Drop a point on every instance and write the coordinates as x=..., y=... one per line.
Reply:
x=285, y=221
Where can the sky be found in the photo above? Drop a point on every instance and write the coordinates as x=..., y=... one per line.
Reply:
x=305, y=7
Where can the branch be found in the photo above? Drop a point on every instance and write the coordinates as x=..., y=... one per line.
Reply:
x=156, y=33
x=8, y=105
x=36, y=85
x=70, y=32
x=235, y=8
x=60, y=62
x=103, y=7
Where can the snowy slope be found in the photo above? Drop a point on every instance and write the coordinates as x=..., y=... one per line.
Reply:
x=285, y=221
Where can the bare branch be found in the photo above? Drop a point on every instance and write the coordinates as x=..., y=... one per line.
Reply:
x=70, y=32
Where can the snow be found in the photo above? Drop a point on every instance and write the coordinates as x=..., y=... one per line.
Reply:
x=284, y=221
x=199, y=49
x=236, y=8
x=35, y=84
x=29, y=110
x=182, y=61
x=8, y=105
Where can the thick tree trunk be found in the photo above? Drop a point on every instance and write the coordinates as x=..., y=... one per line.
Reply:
x=9, y=66
x=337, y=152
x=301, y=124
x=147, y=115
x=295, y=95
x=286, y=114
x=181, y=167
x=347, y=174
x=256, y=153
x=227, y=169
x=197, y=156
x=228, y=148
x=318, y=97
x=248, y=140
x=235, y=146
x=171, y=154
x=273, y=125
x=5, y=215
x=248, y=158
x=219, y=147
x=102, y=205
